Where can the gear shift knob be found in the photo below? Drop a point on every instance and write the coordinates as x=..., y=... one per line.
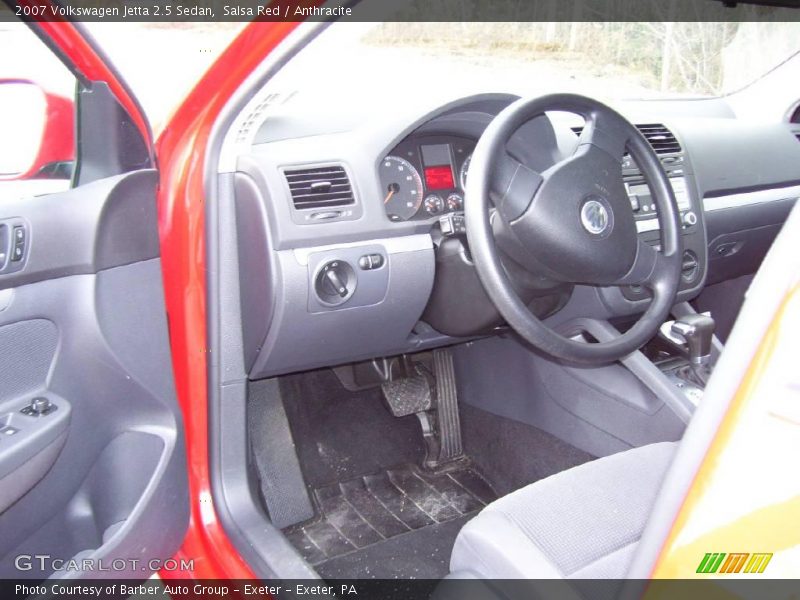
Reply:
x=697, y=330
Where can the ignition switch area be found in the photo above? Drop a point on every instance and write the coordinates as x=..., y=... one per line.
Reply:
x=335, y=282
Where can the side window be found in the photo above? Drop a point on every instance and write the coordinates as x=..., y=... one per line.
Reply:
x=37, y=116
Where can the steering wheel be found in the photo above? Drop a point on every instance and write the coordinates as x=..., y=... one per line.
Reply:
x=572, y=223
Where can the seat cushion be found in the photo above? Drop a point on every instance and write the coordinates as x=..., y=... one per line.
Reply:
x=581, y=523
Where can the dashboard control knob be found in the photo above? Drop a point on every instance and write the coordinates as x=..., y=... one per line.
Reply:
x=368, y=262
x=40, y=405
x=689, y=218
x=335, y=282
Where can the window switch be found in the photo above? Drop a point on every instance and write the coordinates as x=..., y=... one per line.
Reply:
x=17, y=252
x=4, y=233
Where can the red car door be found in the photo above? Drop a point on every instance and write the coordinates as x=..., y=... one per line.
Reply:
x=93, y=478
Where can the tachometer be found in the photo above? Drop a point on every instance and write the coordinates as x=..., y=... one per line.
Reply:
x=402, y=188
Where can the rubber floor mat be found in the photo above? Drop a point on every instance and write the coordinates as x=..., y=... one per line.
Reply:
x=367, y=510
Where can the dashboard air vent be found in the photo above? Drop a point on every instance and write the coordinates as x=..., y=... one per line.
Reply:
x=661, y=139
x=320, y=187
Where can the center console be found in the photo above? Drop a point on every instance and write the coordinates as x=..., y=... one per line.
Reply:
x=678, y=169
x=677, y=165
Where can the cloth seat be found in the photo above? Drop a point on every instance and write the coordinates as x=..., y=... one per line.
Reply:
x=582, y=523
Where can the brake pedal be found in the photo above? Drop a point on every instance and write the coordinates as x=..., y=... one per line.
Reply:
x=408, y=395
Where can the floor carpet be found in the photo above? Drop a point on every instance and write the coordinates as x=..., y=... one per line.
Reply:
x=398, y=523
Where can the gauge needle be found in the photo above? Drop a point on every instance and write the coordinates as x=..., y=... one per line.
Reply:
x=389, y=196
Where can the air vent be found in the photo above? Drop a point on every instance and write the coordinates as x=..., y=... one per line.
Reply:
x=322, y=187
x=661, y=139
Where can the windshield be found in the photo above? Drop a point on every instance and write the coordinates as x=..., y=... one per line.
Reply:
x=613, y=60
x=616, y=60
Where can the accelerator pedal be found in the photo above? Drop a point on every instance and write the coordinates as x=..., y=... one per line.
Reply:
x=450, y=447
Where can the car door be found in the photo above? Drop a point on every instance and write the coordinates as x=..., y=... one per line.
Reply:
x=92, y=452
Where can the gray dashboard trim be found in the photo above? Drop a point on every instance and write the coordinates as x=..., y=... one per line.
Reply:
x=730, y=156
x=748, y=198
x=409, y=243
x=252, y=100
x=378, y=320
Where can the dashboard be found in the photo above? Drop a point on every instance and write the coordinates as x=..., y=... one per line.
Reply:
x=346, y=243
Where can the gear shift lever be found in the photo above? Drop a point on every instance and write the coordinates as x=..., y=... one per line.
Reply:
x=697, y=330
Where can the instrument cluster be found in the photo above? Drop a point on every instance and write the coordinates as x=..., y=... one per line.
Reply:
x=424, y=177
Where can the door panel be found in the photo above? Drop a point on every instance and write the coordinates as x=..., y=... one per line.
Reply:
x=83, y=324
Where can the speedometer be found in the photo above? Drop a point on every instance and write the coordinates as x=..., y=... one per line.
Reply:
x=402, y=188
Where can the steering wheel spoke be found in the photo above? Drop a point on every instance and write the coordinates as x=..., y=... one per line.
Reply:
x=606, y=131
x=513, y=187
x=649, y=268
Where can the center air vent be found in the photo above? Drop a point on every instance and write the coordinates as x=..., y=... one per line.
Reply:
x=661, y=139
x=321, y=187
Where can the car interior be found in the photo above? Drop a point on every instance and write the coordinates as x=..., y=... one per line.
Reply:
x=465, y=335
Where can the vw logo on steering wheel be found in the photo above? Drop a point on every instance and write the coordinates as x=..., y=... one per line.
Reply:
x=595, y=217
